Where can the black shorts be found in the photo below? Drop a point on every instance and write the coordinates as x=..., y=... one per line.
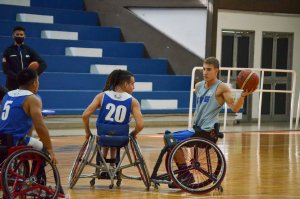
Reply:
x=212, y=135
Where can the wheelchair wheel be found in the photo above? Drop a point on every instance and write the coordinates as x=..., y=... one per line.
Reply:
x=142, y=167
x=81, y=160
x=29, y=174
x=205, y=166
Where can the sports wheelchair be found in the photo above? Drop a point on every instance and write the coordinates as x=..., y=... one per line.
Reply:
x=110, y=136
x=205, y=165
x=27, y=172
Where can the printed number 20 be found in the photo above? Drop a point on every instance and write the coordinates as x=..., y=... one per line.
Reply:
x=120, y=113
x=6, y=109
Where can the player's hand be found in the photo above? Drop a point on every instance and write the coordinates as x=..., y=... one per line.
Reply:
x=88, y=134
x=133, y=134
x=246, y=93
x=53, y=157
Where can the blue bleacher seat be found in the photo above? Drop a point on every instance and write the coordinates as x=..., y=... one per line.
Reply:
x=76, y=17
x=67, y=87
x=93, y=33
x=57, y=63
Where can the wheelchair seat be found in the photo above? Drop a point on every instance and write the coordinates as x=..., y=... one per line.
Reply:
x=111, y=135
x=6, y=141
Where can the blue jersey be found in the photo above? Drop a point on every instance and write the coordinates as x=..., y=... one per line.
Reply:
x=115, y=108
x=13, y=119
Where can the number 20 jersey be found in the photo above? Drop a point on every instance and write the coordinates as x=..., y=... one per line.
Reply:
x=115, y=108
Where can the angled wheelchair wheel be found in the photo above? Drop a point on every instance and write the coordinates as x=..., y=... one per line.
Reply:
x=81, y=160
x=30, y=173
x=205, y=166
x=141, y=165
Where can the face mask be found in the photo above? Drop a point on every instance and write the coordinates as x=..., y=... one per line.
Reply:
x=19, y=40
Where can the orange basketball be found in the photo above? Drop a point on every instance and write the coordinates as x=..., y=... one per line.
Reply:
x=247, y=80
x=34, y=65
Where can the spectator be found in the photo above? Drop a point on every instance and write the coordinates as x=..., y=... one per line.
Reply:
x=19, y=56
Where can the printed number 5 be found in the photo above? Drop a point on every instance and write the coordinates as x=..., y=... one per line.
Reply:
x=6, y=109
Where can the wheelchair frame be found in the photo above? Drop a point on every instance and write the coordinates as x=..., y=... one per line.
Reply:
x=208, y=174
x=21, y=174
x=87, y=153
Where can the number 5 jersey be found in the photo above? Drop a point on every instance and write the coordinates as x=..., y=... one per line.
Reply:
x=14, y=120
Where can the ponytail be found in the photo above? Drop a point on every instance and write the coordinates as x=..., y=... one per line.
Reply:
x=116, y=78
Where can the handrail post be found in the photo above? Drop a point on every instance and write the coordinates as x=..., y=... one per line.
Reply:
x=297, y=115
x=260, y=98
x=225, y=105
x=292, y=99
x=192, y=96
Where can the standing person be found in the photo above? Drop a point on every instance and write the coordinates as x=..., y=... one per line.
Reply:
x=19, y=56
x=211, y=94
x=115, y=103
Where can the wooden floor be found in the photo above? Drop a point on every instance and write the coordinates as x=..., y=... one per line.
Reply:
x=259, y=165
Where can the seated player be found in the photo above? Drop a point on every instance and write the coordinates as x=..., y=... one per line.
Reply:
x=211, y=94
x=21, y=110
x=115, y=103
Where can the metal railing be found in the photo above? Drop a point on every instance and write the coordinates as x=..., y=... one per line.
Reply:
x=260, y=91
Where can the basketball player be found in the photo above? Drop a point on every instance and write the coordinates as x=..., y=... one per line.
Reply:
x=211, y=95
x=21, y=109
x=115, y=103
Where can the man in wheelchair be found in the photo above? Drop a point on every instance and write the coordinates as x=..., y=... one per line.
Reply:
x=21, y=111
x=211, y=94
x=115, y=104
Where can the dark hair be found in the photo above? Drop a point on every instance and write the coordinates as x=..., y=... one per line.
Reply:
x=115, y=78
x=18, y=28
x=26, y=76
x=212, y=61
x=3, y=91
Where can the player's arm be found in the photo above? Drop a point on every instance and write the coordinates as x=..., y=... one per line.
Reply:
x=5, y=65
x=137, y=115
x=33, y=107
x=36, y=57
x=235, y=106
x=96, y=103
x=197, y=87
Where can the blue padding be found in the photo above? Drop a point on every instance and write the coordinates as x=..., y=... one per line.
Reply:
x=93, y=33
x=65, y=4
x=111, y=135
x=57, y=47
x=73, y=81
x=58, y=63
x=182, y=135
x=60, y=16
x=75, y=102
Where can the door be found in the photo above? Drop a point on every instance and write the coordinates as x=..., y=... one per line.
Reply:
x=237, y=51
x=276, y=54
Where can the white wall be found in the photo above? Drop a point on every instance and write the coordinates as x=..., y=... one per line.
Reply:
x=260, y=22
x=186, y=26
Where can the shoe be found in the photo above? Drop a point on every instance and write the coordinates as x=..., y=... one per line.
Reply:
x=185, y=179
